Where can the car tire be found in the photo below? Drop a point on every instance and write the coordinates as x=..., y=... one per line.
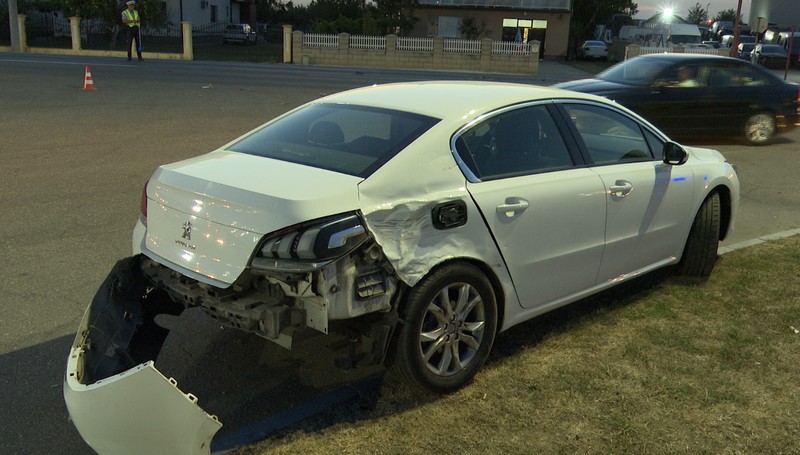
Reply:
x=759, y=128
x=447, y=330
x=700, y=252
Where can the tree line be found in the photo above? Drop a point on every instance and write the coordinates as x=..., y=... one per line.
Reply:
x=358, y=17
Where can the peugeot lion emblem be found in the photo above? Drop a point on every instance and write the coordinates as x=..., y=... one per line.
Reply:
x=187, y=230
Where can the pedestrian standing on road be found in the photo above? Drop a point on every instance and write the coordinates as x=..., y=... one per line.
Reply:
x=130, y=17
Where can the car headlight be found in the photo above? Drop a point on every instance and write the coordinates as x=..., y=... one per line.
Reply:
x=310, y=246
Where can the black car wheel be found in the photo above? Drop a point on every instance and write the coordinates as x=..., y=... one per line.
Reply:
x=700, y=252
x=759, y=128
x=448, y=328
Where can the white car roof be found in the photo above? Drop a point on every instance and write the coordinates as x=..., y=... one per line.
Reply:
x=444, y=99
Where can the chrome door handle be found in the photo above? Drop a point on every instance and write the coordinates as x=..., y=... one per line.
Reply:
x=620, y=188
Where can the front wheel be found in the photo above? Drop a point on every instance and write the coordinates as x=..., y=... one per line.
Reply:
x=448, y=328
x=700, y=252
x=759, y=128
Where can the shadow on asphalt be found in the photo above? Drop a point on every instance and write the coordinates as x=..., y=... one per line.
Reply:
x=255, y=387
x=33, y=414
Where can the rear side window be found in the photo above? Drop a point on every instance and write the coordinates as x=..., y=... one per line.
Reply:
x=519, y=141
x=609, y=136
x=735, y=74
x=349, y=139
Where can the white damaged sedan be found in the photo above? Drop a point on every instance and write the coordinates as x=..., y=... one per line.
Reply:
x=423, y=217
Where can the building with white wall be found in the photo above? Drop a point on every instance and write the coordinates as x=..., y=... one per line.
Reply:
x=201, y=12
x=783, y=13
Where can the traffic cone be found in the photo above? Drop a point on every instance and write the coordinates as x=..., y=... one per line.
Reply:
x=88, y=84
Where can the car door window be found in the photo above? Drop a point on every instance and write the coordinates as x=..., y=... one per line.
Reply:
x=516, y=142
x=689, y=75
x=741, y=75
x=610, y=137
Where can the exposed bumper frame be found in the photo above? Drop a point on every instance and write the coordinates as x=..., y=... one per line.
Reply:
x=119, y=402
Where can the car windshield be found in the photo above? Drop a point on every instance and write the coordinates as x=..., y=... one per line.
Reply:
x=637, y=71
x=353, y=140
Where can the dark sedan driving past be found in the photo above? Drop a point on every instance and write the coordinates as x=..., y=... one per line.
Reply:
x=692, y=95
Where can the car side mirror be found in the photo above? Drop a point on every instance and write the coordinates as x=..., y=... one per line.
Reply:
x=674, y=154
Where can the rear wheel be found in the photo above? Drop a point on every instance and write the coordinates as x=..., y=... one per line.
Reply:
x=448, y=329
x=700, y=252
x=759, y=128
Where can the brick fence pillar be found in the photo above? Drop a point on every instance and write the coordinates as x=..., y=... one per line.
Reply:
x=344, y=49
x=632, y=51
x=391, y=51
x=438, y=53
x=188, y=44
x=287, y=43
x=23, y=35
x=486, y=54
x=297, y=47
x=75, y=32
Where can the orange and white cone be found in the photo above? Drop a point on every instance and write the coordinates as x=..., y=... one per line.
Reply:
x=88, y=84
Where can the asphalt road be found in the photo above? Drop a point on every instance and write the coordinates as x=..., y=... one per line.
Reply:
x=73, y=166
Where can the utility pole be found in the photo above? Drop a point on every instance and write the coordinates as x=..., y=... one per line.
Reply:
x=737, y=28
x=13, y=25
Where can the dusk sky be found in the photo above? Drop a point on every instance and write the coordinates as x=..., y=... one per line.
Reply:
x=648, y=8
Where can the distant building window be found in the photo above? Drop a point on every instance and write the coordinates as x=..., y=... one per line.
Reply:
x=524, y=23
x=519, y=30
x=449, y=27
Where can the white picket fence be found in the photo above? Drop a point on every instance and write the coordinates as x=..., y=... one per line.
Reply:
x=462, y=46
x=320, y=40
x=408, y=43
x=366, y=42
x=416, y=44
x=511, y=48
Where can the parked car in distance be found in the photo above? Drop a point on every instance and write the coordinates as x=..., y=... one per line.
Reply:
x=592, y=49
x=747, y=39
x=710, y=44
x=729, y=97
x=770, y=55
x=239, y=33
x=727, y=40
x=721, y=28
x=744, y=50
x=417, y=219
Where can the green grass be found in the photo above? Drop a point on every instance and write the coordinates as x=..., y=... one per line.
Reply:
x=665, y=364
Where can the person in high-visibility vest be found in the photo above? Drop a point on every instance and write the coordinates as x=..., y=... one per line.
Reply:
x=130, y=17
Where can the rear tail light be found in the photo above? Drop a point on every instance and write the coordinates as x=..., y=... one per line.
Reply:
x=310, y=246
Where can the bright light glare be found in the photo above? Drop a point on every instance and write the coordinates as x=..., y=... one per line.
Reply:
x=668, y=12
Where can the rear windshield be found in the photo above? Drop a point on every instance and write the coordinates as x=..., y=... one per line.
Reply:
x=637, y=71
x=353, y=140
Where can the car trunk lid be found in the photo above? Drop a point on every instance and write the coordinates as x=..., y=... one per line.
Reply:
x=206, y=215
